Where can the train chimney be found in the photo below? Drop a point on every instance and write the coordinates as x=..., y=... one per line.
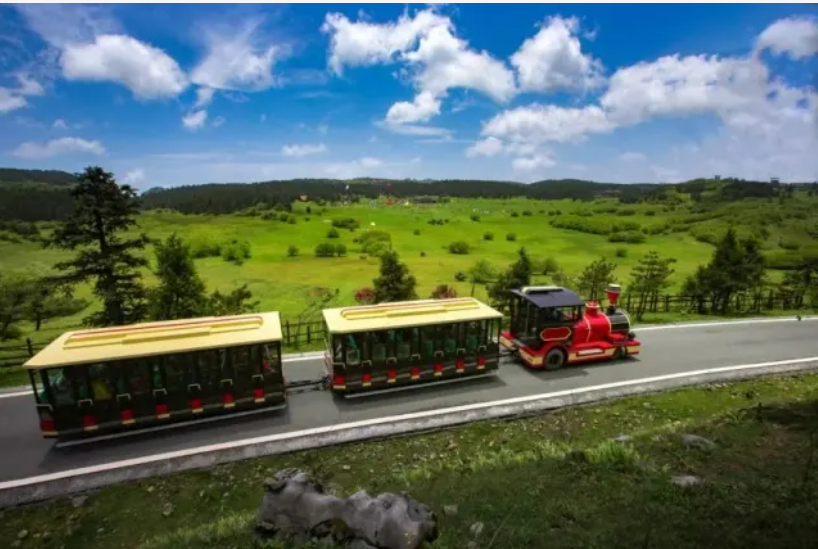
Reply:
x=613, y=292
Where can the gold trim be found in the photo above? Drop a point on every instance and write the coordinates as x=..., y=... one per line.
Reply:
x=49, y=433
x=392, y=380
x=570, y=333
x=339, y=387
x=633, y=348
x=366, y=384
x=128, y=421
x=91, y=428
x=163, y=416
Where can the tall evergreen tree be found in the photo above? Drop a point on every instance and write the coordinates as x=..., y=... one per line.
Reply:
x=15, y=290
x=395, y=282
x=648, y=278
x=96, y=231
x=517, y=276
x=595, y=277
x=481, y=272
x=180, y=293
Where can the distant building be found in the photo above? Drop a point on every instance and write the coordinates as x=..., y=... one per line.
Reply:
x=717, y=177
x=775, y=180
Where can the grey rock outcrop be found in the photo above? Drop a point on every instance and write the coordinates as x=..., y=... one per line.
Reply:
x=296, y=508
x=695, y=441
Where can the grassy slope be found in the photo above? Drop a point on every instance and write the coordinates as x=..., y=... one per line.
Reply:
x=515, y=478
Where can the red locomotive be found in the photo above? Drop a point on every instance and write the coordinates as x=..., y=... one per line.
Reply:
x=552, y=326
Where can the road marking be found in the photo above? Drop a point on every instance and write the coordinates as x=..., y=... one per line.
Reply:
x=721, y=323
x=278, y=437
x=17, y=394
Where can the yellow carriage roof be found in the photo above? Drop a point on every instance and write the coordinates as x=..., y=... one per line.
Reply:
x=405, y=314
x=157, y=338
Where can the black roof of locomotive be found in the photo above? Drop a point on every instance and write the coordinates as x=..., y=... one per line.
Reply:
x=556, y=297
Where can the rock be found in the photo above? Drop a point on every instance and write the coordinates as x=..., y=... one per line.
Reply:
x=695, y=441
x=297, y=507
x=623, y=438
x=167, y=511
x=685, y=481
x=346, y=467
x=100, y=530
x=37, y=535
x=476, y=529
x=201, y=494
x=450, y=510
x=46, y=536
x=78, y=501
x=150, y=489
x=578, y=455
x=452, y=446
x=22, y=534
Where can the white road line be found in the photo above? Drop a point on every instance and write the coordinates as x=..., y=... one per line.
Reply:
x=17, y=394
x=721, y=323
x=379, y=421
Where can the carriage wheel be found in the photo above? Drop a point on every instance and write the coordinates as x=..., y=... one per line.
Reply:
x=622, y=352
x=554, y=359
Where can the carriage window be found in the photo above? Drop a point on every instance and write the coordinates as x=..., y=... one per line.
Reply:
x=134, y=371
x=472, y=336
x=176, y=372
x=429, y=341
x=353, y=349
x=270, y=357
x=403, y=347
x=337, y=348
x=39, y=390
x=100, y=381
x=379, y=344
x=67, y=384
x=155, y=367
x=241, y=362
x=209, y=375
x=222, y=359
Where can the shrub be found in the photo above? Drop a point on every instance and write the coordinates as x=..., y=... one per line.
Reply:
x=788, y=244
x=235, y=251
x=365, y=296
x=626, y=211
x=435, y=222
x=584, y=213
x=511, y=237
x=650, y=213
x=548, y=266
x=474, y=217
x=416, y=232
x=488, y=236
x=443, y=291
x=375, y=242
x=783, y=261
x=461, y=247
x=325, y=249
x=460, y=276
x=205, y=248
x=306, y=219
x=527, y=213
x=309, y=210
x=629, y=237
x=340, y=249
x=346, y=223
x=333, y=233
x=554, y=212
x=515, y=214
x=292, y=251
x=291, y=220
x=621, y=252
x=422, y=253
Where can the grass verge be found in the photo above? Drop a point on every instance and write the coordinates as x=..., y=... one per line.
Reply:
x=522, y=479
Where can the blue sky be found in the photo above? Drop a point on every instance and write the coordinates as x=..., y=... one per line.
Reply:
x=182, y=94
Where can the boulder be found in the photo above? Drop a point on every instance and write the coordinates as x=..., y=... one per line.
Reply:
x=695, y=441
x=296, y=508
x=623, y=438
x=685, y=481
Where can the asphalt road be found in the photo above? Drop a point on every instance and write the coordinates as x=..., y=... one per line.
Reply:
x=24, y=453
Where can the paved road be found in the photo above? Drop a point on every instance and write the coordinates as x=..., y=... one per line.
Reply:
x=664, y=351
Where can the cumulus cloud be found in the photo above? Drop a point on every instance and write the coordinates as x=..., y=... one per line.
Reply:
x=134, y=176
x=300, y=151
x=632, y=157
x=204, y=96
x=56, y=147
x=369, y=162
x=218, y=121
x=59, y=124
x=10, y=101
x=64, y=24
x=536, y=124
x=794, y=36
x=553, y=60
x=424, y=106
x=195, y=120
x=14, y=98
x=489, y=146
x=362, y=43
x=239, y=60
x=145, y=70
x=532, y=164
x=413, y=129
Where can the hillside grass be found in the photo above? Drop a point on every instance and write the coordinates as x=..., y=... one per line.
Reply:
x=518, y=477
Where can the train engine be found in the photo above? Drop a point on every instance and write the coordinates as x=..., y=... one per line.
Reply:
x=553, y=326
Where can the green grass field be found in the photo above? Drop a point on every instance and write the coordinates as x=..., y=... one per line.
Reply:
x=519, y=478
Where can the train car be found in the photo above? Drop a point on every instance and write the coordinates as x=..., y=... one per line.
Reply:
x=553, y=326
x=399, y=345
x=147, y=375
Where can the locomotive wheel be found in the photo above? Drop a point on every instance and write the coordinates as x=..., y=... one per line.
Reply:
x=554, y=360
x=622, y=353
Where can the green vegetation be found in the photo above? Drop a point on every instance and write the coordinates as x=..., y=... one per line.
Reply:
x=525, y=480
x=461, y=247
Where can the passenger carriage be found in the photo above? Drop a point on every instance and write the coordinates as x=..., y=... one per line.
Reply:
x=399, y=345
x=154, y=374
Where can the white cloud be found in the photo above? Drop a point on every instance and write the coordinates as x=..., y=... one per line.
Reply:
x=59, y=124
x=424, y=106
x=195, y=120
x=238, y=60
x=300, y=151
x=10, y=101
x=489, y=146
x=531, y=164
x=323, y=129
x=204, y=96
x=134, y=176
x=553, y=59
x=794, y=36
x=369, y=162
x=536, y=124
x=632, y=157
x=413, y=129
x=145, y=70
x=55, y=147
x=218, y=121
x=363, y=43
x=64, y=24
x=15, y=98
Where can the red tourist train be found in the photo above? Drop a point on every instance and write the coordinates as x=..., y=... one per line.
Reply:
x=553, y=326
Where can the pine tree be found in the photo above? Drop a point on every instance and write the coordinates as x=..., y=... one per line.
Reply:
x=517, y=276
x=395, y=282
x=648, y=278
x=595, y=277
x=15, y=290
x=236, y=302
x=481, y=272
x=97, y=231
x=180, y=293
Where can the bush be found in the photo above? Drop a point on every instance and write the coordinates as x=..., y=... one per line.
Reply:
x=333, y=233
x=554, y=212
x=205, y=248
x=416, y=232
x=422, y=253
x=474, y=217
x=621, y=252
x=629, y=237
x=783, y=261
x=292, y=251
x=325, y=249
x=788, y=244
x=340, y=249
x=375, y=242
x=527, y=213
x=444, y=291
x=515, y=214
x=460, y=276
x=626, y=211
x=650, y=213
x=436, y=222
x=548, y=266
x=594, y=225
x=488, y=236
x=309, y=210
x=461, y=247
x=511, y=237
x=346, y=223
x=235, y=251
x=365, y=296
x=291, y=220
